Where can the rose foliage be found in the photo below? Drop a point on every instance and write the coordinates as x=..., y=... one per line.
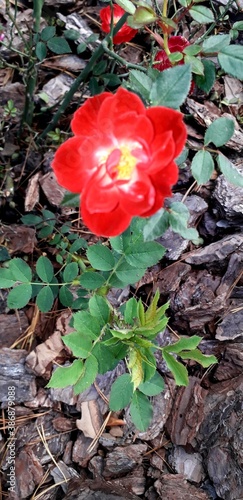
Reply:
x=125, y=34
x=121, y=159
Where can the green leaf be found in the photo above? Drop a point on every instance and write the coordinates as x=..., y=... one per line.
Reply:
x=140, y=83
x=215, y=43
x=178, y=217
x=99, y=308
x=19, y=296
x=48, y=33
x=66, y=375
x=145, y=255
x=144, y=14
x=197, y=355
x=59, y=45
x=131, y=311
x=202, y=166
x=231, y=60
x=65, y=296
x=201, y=14
x=153, y=386
x=88, y=375
x=70, y=200
x=127, y=274
x=135, y=367
x=149, y=364
x=238, y=25
x=196, y=64
x=86, y=324
x=31, y=220
x=71, y=34
x=171, y=87
x=20, y=270
x=40, y=51
x=156, y=225
x=219, y=132
x=127, y=6
x=70, y=272
x=44, y=269
x=188, y=343
x=141, y=411
x=45, y=299
x=178, y=370
x=206, y=81
x=192, y=50
x=6, y=278
x=121, y=392
x=100, y=257
x=230, y=172
x=4, y=255
x=105, y=357
x=79, y=344
x=92, y=280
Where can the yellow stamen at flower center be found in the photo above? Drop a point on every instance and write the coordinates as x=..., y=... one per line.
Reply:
x=126, y=164
x=121, y=163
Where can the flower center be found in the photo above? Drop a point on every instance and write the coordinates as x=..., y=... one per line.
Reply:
x=121, y=163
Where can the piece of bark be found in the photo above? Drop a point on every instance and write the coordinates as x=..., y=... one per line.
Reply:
x=220, y=437
x=13, y=373
x=11, y=327
x=218, y=251
x=231, y=362
x=169, y=279
x=18, y=238
x=175, y=487
x=231, y=326
x=123, y=460
x=62, y=474
x=133, y=483
x=188, y=465
x=28, y=473
x=229, y=197
x=80, y=454
x=97, y=489
x=187, y=413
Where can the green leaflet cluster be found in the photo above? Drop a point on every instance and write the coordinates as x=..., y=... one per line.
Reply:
x=103, y=337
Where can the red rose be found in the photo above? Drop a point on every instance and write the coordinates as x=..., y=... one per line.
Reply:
x=125, y=34
x=121, y=159
x=175, y=44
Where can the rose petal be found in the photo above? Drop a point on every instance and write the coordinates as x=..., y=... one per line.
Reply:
x=116, y=106
x=164, y=119
x=84, y=119
x=105, y=224
x=137, y=197
x=72, y=169
x=100, y=194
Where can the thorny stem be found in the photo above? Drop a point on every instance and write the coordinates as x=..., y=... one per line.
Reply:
x=82, y=77
x=219, y=18
x=28, y=112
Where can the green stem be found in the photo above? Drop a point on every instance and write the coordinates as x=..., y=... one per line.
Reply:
x=79, y=80
x=120, y=59
x=164, y=13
